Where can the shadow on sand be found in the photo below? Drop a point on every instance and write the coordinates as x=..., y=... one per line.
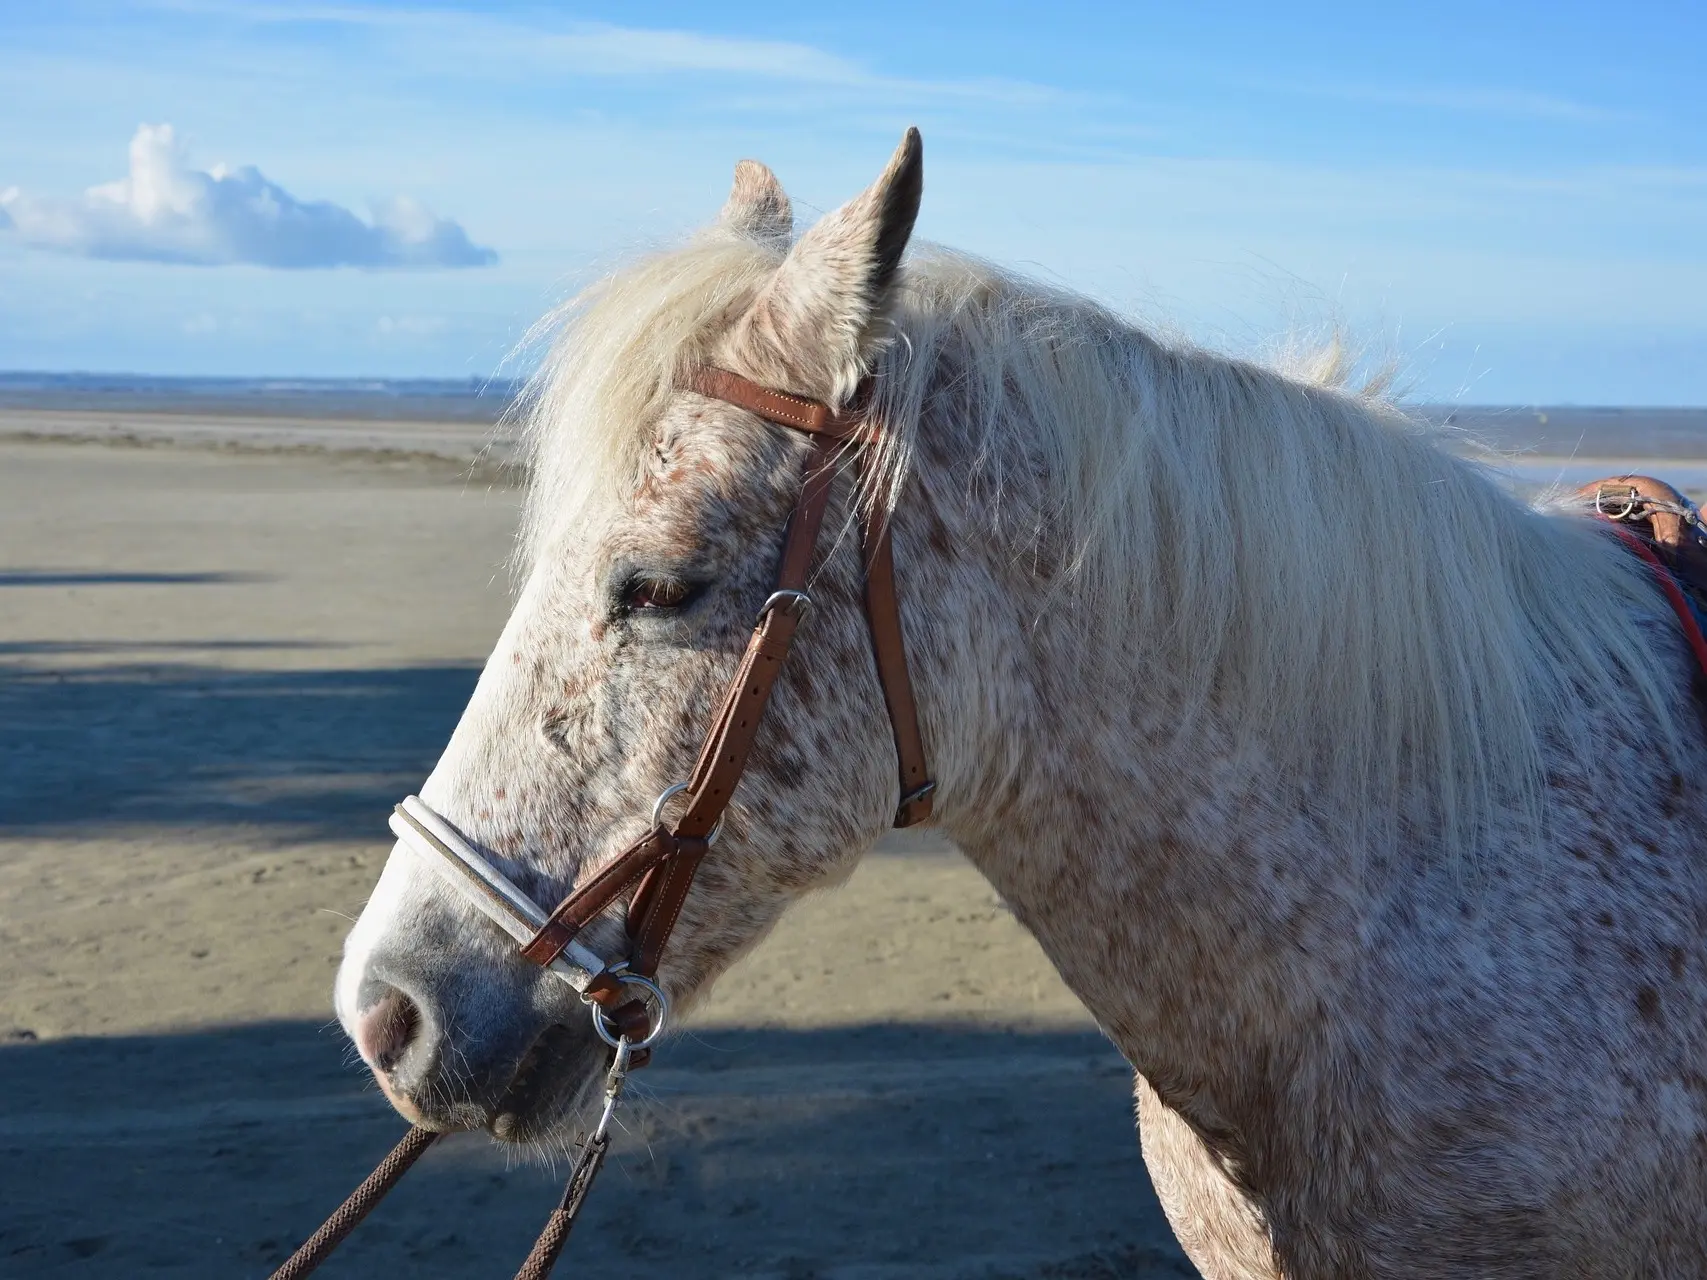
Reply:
x=935, y=1152
x=321, y=751
x=318, y=754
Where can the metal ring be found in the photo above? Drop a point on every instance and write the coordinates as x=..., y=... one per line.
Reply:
x=669, y=793
x=771, y=601
x=604, y=1027
x=1629, y=502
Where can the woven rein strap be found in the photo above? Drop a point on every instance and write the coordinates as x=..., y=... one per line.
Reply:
x=660, y=865
x=349, y=1215
x=360, y=1203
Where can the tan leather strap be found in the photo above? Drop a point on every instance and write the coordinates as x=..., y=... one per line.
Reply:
x=656, y=904
x=723, y=758
x=660, y=866
x=811, y=416
x=582, y=906
x=662, y=862
x=889, y=649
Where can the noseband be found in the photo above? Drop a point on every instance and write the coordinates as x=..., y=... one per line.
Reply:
x=659, y=867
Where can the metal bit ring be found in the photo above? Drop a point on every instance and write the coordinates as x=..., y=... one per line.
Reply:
x=658, y=1000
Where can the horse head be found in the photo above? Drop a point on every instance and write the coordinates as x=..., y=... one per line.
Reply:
x=656, y=518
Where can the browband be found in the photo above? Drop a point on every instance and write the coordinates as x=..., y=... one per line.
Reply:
x=811, y=416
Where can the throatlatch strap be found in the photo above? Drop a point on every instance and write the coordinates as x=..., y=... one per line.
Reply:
x=889, y=649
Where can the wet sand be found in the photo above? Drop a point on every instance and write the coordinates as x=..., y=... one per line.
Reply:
x=218, y=669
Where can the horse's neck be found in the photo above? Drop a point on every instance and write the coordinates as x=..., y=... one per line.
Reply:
x=1158, y=869
x=1163, y=877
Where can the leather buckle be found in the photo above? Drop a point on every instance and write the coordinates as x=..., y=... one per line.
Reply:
x=915, y=806
x=800, y=601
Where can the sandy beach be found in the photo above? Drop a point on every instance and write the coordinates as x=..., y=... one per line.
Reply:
x=229, y=642
x=219, y=666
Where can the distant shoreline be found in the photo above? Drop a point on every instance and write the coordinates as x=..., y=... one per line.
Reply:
x=456, y=417
x=473, y=400
x=475, y=447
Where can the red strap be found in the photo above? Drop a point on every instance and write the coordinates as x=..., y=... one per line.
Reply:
x=1673, y=593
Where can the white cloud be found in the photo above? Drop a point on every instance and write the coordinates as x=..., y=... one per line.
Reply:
x=166, y=211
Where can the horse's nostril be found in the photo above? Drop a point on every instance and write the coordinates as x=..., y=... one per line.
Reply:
x=386, y=1029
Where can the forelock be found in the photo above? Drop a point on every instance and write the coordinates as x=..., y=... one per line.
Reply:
x=618, y=351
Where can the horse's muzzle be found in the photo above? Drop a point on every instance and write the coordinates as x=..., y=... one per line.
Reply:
x=498, y=1054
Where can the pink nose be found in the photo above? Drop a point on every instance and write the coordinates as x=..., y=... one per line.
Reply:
x=385, y=1030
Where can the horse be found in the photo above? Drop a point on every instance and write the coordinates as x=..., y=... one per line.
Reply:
x=1358, y=800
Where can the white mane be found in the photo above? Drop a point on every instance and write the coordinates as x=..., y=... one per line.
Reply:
x=1372, y=607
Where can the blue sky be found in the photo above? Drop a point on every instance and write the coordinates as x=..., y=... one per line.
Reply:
x=1509, y=200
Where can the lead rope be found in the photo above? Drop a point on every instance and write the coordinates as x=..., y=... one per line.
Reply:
x=543, y=1256
x=555, y=1234
x=348, y=1216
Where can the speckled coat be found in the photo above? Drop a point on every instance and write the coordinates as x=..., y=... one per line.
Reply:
x=1353, y=1059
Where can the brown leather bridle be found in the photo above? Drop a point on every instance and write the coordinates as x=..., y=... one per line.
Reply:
x=659, y=866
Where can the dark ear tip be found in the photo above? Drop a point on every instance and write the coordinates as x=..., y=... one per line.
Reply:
x=903, y=191
x=907, y=174
x=912, y=150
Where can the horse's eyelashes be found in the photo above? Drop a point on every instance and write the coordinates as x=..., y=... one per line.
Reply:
x=643, y=594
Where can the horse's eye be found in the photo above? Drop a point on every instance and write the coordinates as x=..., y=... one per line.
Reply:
x=655, y=593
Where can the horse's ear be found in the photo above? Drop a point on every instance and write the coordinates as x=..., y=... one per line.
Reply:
x=820, y=315
x=758, y=206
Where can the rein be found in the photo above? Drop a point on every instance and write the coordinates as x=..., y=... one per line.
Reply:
x=659, y=866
